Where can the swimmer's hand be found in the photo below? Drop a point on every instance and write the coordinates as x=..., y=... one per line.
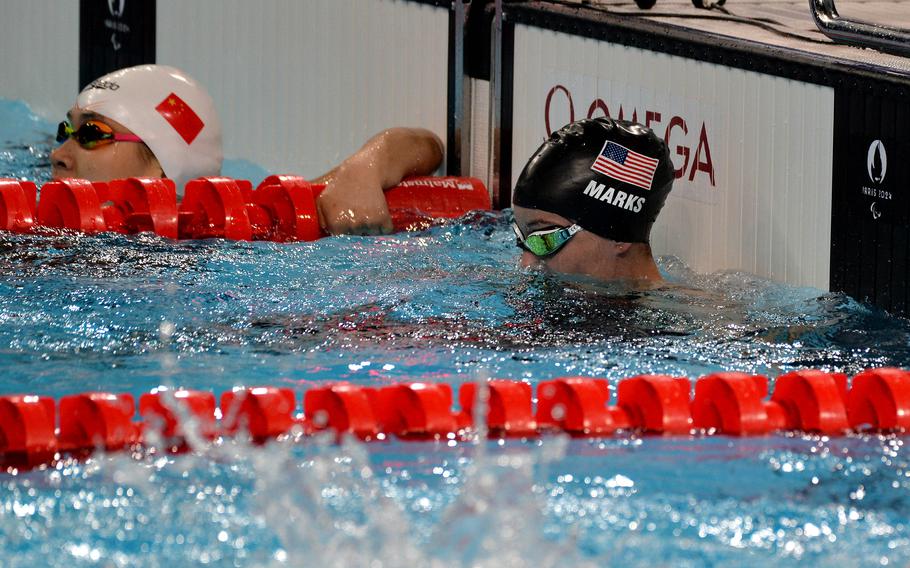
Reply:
x=353, y=201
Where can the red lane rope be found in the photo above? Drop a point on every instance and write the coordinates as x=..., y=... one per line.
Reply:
x=731, y=403
x=282, y=208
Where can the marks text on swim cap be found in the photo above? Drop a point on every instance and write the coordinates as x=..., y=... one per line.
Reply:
x=615, y=198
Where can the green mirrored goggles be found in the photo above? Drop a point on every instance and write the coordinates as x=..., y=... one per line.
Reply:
x=545, y=242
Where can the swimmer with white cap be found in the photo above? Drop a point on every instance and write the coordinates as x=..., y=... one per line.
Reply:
x=157, y=121
x=586, y=200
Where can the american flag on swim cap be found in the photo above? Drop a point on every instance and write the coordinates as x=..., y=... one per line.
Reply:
x=620, y=163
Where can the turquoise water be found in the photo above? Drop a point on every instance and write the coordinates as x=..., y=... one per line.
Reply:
x=126, y=314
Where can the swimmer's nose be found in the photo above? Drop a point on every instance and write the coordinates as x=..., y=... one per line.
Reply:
x=62, y=160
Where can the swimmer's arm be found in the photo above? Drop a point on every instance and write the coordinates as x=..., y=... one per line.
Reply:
x=353, y=200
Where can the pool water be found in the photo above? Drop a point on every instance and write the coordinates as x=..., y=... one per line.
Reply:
x=129, y=313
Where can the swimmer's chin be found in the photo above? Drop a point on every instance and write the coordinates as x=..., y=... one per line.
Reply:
x=57, y=175
x=589, y=283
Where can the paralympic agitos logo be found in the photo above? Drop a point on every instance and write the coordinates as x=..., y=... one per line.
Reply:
x=695, y=156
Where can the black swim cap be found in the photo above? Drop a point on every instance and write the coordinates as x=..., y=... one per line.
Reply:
x=609, y=176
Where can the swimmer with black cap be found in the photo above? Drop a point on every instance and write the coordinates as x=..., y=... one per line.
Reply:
x=157, y=121
x=586, y=200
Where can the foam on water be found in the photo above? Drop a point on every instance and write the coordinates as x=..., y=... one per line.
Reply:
x=129, y=313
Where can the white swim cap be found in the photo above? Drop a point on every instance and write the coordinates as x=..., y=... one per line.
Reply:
x=169, y=110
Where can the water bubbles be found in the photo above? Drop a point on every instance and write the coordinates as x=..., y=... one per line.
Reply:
x=166, y=330
x=84, y=551
x=620, y=480
x=23, y=509
x=811, y=531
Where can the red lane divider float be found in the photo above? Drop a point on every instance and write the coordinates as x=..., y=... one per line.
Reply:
x=282, y=208
x=656, y=403
x=97, y=420
x=73, y=204
x=27, y=435
x=878, y=400
x=578, y=406
x=733, y=403
x=726, y=403
x=813, y=401
x=164, y=410
x=509, y=407
x=264, y=412
x=17, y=205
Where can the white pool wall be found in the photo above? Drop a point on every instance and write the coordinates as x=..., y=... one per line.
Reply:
x=39, y=54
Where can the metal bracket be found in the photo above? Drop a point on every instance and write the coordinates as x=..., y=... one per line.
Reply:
x=858, y=33
x=459, y=112
x=496, y=127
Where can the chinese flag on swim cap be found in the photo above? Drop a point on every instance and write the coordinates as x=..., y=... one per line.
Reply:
x=181, y=117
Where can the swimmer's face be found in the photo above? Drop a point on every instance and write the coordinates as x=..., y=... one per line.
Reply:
x=585, y=253
x=117, y=160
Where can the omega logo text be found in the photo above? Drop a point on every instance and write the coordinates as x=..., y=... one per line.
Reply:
x=675, y=130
